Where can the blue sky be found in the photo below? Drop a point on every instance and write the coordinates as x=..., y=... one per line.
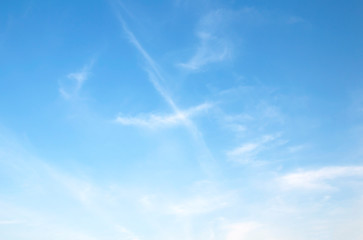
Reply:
x=179, y=119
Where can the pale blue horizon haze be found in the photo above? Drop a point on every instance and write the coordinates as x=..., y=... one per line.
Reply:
x=179, y=119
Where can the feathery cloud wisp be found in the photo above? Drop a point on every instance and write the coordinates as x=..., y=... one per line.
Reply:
x=211, y=49
x=213, y=45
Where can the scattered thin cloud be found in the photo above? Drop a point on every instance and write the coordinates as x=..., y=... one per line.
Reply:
x=128, y=193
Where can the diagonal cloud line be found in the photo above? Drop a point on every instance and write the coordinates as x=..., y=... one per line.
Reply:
x=156, y=78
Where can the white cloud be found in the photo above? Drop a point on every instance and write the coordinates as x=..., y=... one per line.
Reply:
x=152, y=121
x=155, y=121
x=216, y=42
x=155, y=77
x=211, y=49
x=213, y=46
x=319, y=179
x=246, y=153
x=158, y=80
x=74, y=82
x=243, y=150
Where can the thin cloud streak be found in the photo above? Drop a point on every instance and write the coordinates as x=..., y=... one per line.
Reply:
x=155, y=76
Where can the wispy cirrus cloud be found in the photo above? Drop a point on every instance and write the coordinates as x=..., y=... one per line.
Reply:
x=70, y=86
x=155, y=76
x=156, y=121
x=319, y=179
x=213, y=46
x=216, y=43
x=247, y=152
x=211, y=49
